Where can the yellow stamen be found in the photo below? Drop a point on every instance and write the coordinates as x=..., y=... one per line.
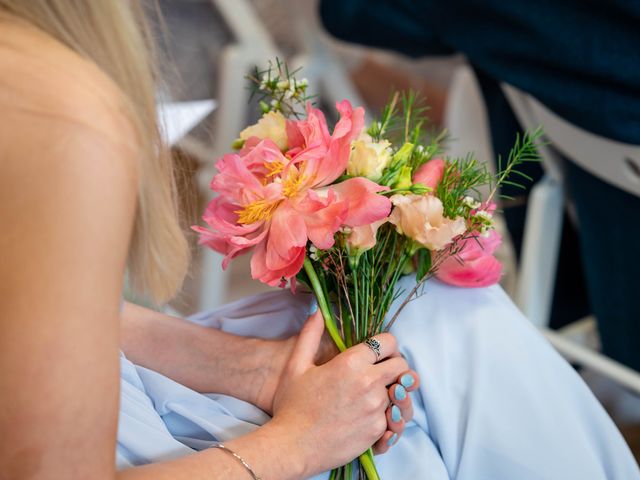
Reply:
x=256, y=211
x=274, y=167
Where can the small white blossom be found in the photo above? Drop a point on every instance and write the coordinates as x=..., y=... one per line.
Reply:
x=471, y=202
x=484, y=215
x=282, y=84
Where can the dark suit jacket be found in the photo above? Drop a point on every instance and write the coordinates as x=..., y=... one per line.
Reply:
x=579, y=57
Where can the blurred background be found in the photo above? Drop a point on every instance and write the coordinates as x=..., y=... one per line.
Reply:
x=207, y=46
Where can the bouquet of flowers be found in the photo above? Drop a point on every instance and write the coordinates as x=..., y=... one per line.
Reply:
x=349, y=211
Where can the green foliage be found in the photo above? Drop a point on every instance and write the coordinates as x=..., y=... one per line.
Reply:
x=279, y=90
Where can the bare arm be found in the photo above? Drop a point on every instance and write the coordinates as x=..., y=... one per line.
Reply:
x=61, y=277
x=204, y=359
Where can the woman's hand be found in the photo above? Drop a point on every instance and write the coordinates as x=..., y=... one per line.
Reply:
x=276, y=354
x=335, y=411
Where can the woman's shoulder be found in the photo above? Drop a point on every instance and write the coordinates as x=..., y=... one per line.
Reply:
x=40, y=76
x=65, y=140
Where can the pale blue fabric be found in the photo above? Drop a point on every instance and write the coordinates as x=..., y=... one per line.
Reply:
x=496, y=401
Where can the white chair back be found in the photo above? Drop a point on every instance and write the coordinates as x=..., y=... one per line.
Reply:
x=613, y=162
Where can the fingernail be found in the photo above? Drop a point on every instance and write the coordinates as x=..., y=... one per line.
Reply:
x=407, y=380
x=392, y=439
x=401, y=393
x=396, y=416
x=313, y=307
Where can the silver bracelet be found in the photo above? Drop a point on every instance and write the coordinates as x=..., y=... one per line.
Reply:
x=239, y=458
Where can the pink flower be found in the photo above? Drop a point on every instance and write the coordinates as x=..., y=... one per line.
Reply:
x=275, y=204
x=475, y=265
x=430, y=173
x=421, y=217
x=363, y=238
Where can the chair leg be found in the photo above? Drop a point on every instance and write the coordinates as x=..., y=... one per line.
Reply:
x=543, y=230
x=573, y=352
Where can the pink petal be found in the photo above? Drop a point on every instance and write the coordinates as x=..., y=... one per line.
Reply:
x=480, y=246
x=261, y=271
x=323, y=216
x=430, y=173
x=326, y=157
x=481, y=272
x=288, y=231
x=365, y=204
x=235, y=180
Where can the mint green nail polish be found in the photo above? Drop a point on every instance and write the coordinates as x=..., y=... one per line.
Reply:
x=401, y=393
x=392, y=439
x=407, y=380
x=313, y=307
x=396, y=416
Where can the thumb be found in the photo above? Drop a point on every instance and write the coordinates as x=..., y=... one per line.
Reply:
x=306, y=347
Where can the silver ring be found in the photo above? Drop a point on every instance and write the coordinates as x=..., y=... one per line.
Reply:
x=375, y=347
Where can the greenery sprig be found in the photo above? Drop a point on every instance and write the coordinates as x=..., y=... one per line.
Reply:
x=278, y=89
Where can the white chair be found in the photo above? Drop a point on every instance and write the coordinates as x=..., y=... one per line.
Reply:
x=544, y=224
x=176, y=120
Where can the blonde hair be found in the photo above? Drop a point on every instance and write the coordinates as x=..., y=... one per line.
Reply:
x=115, y=36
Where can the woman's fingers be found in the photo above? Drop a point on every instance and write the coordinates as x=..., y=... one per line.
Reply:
x=400, y=397
x=410, y=380
x=307, y=344
x=391, y=369
x=385, y=343
x=395, y=422
x=388, y=440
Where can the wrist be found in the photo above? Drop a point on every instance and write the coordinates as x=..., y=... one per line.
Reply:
x=273, y=356
x=274, y=452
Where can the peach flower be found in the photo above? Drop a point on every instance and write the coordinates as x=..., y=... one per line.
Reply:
x=421, y=217
x=363, y=237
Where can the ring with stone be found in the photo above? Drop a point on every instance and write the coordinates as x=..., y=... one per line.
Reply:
x=375, y=347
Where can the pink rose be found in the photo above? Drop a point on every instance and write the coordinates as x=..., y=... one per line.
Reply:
x=275, y=204
x=475, y=265
x=430, y=173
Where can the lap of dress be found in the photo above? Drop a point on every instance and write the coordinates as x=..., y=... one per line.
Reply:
x=496, y=402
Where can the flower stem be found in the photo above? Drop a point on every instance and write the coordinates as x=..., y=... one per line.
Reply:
x=329, y=321
x=366, y=460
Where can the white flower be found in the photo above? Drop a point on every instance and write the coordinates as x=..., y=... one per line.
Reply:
x=484, y=215
x=368, y=158
x=471, y=203
x=272, y=125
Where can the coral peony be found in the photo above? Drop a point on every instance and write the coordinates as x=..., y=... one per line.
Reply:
x=276, y=203
x=475, y=265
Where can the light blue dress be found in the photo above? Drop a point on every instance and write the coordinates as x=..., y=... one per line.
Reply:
x=496, y=401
